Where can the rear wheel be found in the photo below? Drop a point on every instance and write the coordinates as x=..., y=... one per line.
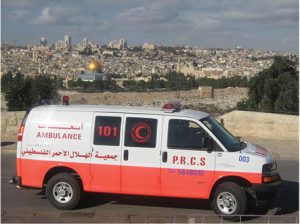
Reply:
x=63, y=191
x=229, y=200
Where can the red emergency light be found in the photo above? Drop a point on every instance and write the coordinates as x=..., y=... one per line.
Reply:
x=172, y=106
x=65, y=100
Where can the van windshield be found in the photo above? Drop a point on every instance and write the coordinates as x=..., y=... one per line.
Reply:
x=230, y=142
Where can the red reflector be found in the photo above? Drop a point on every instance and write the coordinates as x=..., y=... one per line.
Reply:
x=20, y=135
x=65, y=100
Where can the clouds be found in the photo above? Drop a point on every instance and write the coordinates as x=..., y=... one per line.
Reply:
x=220, y=23
x=18, y=14
x=152, y=13
x=45, y=18
x=56, y=15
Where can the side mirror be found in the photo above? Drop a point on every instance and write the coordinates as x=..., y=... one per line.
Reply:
x=208, y=143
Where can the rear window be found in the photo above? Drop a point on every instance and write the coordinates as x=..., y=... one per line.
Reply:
x=140, y=132
x=107, y=130
x=25, y=116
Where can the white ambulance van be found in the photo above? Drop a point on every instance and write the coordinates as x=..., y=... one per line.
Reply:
x=168, y=151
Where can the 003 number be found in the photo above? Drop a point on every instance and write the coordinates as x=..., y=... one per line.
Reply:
x=244, y=159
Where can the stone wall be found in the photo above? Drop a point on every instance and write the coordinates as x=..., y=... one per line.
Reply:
x=206, y=92
x=240, y=123
x=190, y=97
x=10, y=123
x=262, y=125
x=230, y=91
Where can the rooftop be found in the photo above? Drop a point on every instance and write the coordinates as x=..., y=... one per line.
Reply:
x=123, y=109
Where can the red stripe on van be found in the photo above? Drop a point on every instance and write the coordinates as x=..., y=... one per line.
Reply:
x=105, y=178
x=34, y=171
x=135, y=180
x=140, y=180
x=18, y=167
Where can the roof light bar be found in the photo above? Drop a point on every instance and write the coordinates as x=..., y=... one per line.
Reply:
x=172, y=107
x=65, y=100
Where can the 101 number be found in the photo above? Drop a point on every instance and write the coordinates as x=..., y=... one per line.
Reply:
x=108, y=131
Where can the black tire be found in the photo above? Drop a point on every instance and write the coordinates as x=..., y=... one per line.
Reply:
x=63, y=191
x=235, y=201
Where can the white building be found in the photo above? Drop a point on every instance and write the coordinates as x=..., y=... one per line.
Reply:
x=43, y=41
x=147, y=46
x=67, y=41
x=118, y=44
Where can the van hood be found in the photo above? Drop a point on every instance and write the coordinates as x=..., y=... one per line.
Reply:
x=259, y=151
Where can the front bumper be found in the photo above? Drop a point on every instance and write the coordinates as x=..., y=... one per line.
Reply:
x=266, y=193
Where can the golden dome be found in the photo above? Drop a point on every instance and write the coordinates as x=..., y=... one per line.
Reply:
x=94, y=65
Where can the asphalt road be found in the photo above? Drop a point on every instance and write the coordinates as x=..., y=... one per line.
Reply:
x=32, y=206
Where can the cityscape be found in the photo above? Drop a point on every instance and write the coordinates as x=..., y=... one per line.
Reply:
x=138, y=111
x=121, y=61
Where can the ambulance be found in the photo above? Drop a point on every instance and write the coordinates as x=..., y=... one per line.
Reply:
x=167, y=152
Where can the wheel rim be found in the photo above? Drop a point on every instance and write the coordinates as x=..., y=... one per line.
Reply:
x=62, y=192
x=226, y=203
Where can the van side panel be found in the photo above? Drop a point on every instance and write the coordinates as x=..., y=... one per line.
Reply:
x=18, y=160
x=106, y=160
x=54, y=139
x=36, y=170
x=105, y=178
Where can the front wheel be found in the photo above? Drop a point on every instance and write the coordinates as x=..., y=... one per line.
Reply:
x=229, y=200
x=63, y=191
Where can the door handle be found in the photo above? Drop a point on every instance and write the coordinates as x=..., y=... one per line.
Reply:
x=164, y=157
x=125, y=155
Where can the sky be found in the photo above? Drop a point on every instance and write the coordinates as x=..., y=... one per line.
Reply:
x=257, y=24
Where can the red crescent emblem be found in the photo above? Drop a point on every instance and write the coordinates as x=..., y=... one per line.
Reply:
x=141, y=132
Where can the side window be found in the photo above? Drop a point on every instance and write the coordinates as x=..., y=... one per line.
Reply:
x=107, y=130
x=184, y=134
x=140, y=132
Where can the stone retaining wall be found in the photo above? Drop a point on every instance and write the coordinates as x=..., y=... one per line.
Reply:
x=240, y=123
x=262, y=125
x=10, y=123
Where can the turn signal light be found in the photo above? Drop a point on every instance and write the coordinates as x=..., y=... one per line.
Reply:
x=269, y=179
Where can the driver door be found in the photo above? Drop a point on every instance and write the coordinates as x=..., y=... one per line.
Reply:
x=187, y=166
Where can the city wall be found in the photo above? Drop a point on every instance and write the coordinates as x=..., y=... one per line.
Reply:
x=191, y=97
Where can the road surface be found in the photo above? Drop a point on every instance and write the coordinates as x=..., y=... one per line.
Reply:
x=32, y=206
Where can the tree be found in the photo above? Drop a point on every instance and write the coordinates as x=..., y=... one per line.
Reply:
x=24, y=93
x=43, y=90
x=176, y=81
x=6, y=81
x=274, y=89
x=18, y=95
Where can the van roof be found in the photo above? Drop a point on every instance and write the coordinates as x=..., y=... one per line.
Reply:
x=122, y=109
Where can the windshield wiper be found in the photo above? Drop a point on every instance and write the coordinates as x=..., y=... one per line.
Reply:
x=238, y=146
